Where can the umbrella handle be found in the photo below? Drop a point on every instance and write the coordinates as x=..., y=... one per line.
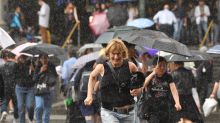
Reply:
x=69, y=36
x=206, y=34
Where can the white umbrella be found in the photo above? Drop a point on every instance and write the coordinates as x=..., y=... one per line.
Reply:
x=19, y=48
x=5, y=39
x=95, y=47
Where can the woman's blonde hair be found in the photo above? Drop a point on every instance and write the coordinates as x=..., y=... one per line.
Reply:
x=116, y=45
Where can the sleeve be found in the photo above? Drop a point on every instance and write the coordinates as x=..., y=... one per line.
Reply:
x=169, y=78
x=64, y=71
x=197, y=12
x=43, y=11
x=77, y=79
x=207, y=11
x=193, y=80
x=155, y=18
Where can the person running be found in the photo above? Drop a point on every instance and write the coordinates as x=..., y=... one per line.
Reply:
x=117, y=104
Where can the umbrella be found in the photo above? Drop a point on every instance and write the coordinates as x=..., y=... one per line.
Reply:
x=49, y=49
x=117, y=16
x=5, y=39
x=81, y=61
x=143, y=49
x=156, y=40
x=196, y=56
x=114, y=33
x=21, y=47
x=141, y=23
x=95, y=47
x=99, y=23
x=215, y=49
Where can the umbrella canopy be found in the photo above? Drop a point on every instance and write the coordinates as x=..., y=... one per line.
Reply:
x=215, y=49
x=141, y=23
x=21, y=47
x=142, y=49
x=117, y=16
x=114, y=33
x=156, y=40
x=95, y=47
x=99, y=23
x=49, y=49
x=196, y=56
x=5, y=39
x=81, y=61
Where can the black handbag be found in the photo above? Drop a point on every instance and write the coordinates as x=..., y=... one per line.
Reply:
x=143, y=105
x=42, y=86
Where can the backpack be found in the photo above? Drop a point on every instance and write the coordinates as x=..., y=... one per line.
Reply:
x=9, y=18
x=84, y=81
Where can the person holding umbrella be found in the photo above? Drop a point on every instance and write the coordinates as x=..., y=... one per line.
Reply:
x=45, y=73
x=161, y=86
x=117, y=104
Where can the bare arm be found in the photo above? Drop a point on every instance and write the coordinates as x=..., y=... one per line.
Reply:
x=99, y=69
x=175, y=96
x=215, y=89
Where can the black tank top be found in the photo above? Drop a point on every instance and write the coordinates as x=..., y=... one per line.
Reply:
x=113, y=93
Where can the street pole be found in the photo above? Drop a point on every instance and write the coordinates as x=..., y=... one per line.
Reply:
x=141, y=6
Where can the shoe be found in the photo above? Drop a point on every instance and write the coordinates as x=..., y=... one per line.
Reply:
x=4, y=115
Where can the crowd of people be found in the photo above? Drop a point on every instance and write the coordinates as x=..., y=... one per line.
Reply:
x=101, y=90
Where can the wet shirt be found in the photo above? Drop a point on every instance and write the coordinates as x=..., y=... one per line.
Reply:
x=159, y=86
x=184, y=80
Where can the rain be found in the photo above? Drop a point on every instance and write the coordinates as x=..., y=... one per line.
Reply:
x=107, y=61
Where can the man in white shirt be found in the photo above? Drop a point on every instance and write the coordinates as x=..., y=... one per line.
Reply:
x=202, y=13
x=44, y=15
x=165, y=20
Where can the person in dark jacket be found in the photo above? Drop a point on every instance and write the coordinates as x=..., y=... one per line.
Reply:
x=44, y=102
x=185, y=81
x=24, y=88
x=8, y=75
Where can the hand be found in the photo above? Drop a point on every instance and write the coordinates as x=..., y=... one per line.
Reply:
x=178, y=107
x=88, y=101
x=212, y=96
x=77, y=21
x=136, y=92
x=43, y=68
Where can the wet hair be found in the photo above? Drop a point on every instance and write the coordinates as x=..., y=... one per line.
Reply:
x=179, y=63
x=158, y=59
x=116, y=45
x=43, y=55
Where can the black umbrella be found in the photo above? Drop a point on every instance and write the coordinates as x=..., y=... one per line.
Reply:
x=115, y=32
x=49, y=49
x=196, y=56
x=156, y=40
x=117, y=16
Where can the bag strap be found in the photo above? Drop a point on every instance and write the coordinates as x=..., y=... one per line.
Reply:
x=113, y=71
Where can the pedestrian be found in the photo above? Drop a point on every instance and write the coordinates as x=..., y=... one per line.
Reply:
x=204, y=78
x=161, y=86
x=8, y=74
x=185, y=81
x=164, y=20
x=202, y=13
x=45, y=73
x=44, y=16
x=71, y=18
x=180, y=14
x=24, y=88
x=16, y=24
x=117, y=104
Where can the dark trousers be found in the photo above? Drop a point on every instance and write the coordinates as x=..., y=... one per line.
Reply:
x=167, y=29
x=10, y=95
